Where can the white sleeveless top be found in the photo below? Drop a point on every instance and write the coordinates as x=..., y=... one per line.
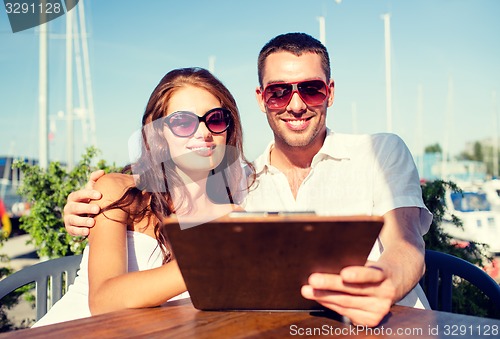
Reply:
x=143, y=254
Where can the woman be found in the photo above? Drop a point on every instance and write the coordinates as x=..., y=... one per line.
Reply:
x=190, y=165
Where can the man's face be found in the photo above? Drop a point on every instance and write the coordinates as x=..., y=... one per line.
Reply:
x=298, y=124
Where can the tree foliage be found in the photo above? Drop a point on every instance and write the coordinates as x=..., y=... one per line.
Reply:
x=467, y=299
x=47, y=190
x=435, y=148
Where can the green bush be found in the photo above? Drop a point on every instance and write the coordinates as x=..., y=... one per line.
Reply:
x=47, y=191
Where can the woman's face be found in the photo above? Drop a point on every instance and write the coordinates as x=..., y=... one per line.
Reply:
x=204, y=150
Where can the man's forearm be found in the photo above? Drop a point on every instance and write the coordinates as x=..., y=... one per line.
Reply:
x=404, y=249
x=404, y=264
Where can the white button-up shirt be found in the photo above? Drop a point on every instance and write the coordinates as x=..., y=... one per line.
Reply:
x=350, y=175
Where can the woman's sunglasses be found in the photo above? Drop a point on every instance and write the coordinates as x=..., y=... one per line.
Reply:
x=184, y=124
x=278, y=95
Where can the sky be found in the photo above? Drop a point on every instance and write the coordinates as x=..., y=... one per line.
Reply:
x=445, y=64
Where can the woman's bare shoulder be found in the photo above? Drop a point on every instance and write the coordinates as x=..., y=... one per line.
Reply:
x=113, y=185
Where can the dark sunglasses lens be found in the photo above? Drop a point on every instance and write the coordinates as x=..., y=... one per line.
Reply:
x=183, y=123
x=313, y=92
x=218, y=121
x=277, y=95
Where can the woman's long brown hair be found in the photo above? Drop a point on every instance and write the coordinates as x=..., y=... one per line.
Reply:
x=155, y=170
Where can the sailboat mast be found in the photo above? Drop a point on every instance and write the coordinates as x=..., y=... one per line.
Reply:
x=43, y=103
x=86, y=69
x=495, y=134
x=322, y=30
x=69, y=90
x=388, y=84
x=420, y=129
x=448, y=128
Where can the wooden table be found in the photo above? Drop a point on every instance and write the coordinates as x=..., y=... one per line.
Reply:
x=180, y=319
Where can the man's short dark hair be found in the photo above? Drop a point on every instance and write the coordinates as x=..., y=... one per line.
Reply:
x=297, y=44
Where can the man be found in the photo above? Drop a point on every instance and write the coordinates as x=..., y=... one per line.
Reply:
x=308, y=167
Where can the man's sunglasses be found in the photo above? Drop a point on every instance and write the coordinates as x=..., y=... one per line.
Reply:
x=278, y=95
x=184, y=124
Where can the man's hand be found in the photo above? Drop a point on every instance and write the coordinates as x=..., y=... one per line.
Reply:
x=364, y=294
x=78, y=211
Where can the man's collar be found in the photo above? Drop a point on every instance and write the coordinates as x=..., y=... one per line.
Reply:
x=332, y=148
x=264, y=160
